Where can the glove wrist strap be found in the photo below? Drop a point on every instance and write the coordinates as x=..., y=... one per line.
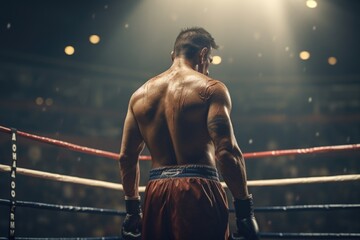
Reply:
x=133, y=206
x=244, y=208
x=132, y=198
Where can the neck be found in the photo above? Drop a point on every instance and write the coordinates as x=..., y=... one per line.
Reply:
x=183, y=62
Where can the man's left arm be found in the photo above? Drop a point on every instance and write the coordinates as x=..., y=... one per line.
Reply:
x=131, y=146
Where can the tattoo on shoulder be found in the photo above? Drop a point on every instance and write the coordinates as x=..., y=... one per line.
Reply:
x=219, y=125
x=208, y=90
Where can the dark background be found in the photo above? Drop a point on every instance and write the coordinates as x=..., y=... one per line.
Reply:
x=279, y=100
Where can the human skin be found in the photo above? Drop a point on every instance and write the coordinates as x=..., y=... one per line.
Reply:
x=183, y=117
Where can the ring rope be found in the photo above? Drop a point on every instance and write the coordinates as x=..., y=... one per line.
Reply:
x=63, y=178
x=115, y=156
x=295, y=208
x=66, y=208
x=69, y=208
x=304, y=180
x=117, y=186
x=70, y=238
x=263, y=235
x=64, y=144
x=311, y=235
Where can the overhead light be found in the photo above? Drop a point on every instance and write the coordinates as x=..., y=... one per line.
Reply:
x=332, y=60
x=216, y=60
x=69, y=50
x=94, y=39
x=311, y=3
x=304, y=55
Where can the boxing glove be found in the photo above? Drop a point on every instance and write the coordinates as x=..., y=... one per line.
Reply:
x=131, y=227
x=247, y=227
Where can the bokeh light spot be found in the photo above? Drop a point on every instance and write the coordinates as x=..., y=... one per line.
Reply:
x=311, y=3
x=216, y=60
x=304, y=55
x=94, y=39
x=39, y=100
x=49, y=101
x=332, y=60
x=69, y=50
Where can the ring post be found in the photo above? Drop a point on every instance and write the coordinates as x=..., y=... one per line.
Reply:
x=13, y=184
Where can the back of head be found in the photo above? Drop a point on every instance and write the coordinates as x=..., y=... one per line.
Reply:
x=191, y=40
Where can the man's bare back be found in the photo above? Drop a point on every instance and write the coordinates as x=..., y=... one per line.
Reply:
x=171, y=110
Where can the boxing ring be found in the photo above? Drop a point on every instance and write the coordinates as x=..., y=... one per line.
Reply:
x=14, y=203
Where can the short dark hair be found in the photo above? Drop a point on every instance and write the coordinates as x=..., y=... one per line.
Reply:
x=191, y=40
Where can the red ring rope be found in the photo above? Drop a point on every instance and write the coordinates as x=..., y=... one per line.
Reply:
x=115, y=156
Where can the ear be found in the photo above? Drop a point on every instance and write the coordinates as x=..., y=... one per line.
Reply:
x=172, y=55
x=203, y=54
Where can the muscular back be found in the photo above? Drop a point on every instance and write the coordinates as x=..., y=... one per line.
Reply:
x=171, y=111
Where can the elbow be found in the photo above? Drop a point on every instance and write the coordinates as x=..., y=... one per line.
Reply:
x=128, y=161
x=122, y=160
x=123, y=157
x=230, y=155
x=130, y=155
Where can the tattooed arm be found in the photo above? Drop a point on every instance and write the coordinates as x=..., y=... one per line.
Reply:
x=229, y=158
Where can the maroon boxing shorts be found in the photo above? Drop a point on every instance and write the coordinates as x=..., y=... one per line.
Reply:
x=183, y=203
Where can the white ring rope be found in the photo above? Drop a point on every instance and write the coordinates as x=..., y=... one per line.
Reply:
x=117, y=186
